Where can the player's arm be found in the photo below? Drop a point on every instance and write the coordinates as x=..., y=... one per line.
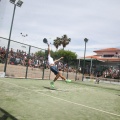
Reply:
x=58, y=59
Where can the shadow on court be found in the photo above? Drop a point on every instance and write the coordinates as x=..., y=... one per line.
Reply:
x=49, y=88
x=6, y=116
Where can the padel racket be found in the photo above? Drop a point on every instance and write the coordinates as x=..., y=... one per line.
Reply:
x=45, y=41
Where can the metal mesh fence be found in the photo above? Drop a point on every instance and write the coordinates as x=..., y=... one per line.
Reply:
x=107, y=70
x=22, y=62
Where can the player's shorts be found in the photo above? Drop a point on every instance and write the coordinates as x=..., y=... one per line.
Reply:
x=54, y=69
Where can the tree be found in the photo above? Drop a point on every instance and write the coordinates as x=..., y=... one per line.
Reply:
x=65, y=41
x=57, y=42
x=68, y=55
x=40, y=53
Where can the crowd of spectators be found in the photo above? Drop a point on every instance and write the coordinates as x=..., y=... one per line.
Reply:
x=20, y=57
x=112, y=73
x=2, y=54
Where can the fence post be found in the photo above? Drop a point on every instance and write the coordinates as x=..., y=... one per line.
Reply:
x=28, y=62
x=91, y=62
x=49, y=74
x=119, y=73
x=43, y=69
x=67, y=70
x=77, y=68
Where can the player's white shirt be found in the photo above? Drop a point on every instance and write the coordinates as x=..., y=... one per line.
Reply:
x=50, y=60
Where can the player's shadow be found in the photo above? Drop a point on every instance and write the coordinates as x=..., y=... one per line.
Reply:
x=4, y=115
x=49, y=88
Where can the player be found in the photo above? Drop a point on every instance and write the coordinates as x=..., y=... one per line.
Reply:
x=54, y=69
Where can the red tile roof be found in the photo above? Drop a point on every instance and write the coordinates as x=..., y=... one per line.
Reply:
x=108, y=49
x=110, y=59
x=97, y=57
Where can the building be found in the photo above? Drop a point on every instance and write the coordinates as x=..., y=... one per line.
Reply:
x=111, y=55
x=104, y=58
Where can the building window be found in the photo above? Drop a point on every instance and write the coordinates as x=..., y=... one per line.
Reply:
x=108, y=55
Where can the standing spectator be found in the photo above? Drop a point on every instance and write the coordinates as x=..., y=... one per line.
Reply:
x=97, y=77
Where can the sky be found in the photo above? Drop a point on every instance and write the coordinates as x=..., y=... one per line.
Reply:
x=96, y=20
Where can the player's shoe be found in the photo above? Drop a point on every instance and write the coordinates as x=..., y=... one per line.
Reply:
x=52, y=84
x=67, y=81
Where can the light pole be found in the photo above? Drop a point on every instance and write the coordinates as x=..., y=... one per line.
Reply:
x=85, y=40
x=19, y=4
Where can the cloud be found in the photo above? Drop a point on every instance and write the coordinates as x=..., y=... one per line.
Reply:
x=97, y=20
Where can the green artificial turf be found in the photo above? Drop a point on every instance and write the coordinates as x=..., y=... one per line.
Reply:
x=26, y=99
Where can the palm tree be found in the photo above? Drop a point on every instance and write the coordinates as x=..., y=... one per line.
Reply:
x=65, y=41
x=57, y=42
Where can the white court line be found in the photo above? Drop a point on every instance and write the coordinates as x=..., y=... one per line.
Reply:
x=64, y=99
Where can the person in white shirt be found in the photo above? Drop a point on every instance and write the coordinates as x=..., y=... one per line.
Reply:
x=54, y=69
